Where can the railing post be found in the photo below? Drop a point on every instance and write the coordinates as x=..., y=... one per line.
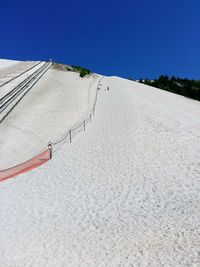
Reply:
x=50, y=149
x=70, y=136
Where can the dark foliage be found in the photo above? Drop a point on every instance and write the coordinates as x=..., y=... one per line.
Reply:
x=83, y=71
x=185, y=87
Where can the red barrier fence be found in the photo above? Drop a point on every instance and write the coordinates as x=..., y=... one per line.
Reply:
x=26, y=166
x=47, y=154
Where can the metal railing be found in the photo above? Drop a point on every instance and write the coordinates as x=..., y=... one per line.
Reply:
x=18, y=92
x=67, y=137
x=20, y=74
x=52, y=147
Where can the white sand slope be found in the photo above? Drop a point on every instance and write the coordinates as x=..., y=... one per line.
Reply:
x=55, y=104
x=125, y=193
x=5, y=63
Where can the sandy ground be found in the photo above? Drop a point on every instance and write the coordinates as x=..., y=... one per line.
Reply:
x=57, y=102
x=24, y=69
x=5, y=63
x=125, y=193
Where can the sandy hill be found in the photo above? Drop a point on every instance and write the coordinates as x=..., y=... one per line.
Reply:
x=124, y=193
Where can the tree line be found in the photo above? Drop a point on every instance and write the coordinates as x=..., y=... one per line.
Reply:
x=185, y=87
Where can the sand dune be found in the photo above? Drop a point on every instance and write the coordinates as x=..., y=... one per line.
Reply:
x=124, y=193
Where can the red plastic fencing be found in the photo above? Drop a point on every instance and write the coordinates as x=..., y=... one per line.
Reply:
x=47, y=154
x=25, y=166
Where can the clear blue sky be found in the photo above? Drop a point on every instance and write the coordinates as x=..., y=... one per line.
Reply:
x=129, y=38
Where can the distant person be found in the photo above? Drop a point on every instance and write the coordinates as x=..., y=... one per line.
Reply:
x=108, y=88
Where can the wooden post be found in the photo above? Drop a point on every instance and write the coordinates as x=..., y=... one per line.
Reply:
x=70, y=136
x=50, y=149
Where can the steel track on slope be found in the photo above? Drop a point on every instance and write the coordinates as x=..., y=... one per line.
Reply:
x=20, y=74
x=22, y=90
x=24, y=82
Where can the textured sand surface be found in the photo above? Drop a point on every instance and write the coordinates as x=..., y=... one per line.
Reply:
x=58, y=101
x=5, y=63
x=125, y=193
